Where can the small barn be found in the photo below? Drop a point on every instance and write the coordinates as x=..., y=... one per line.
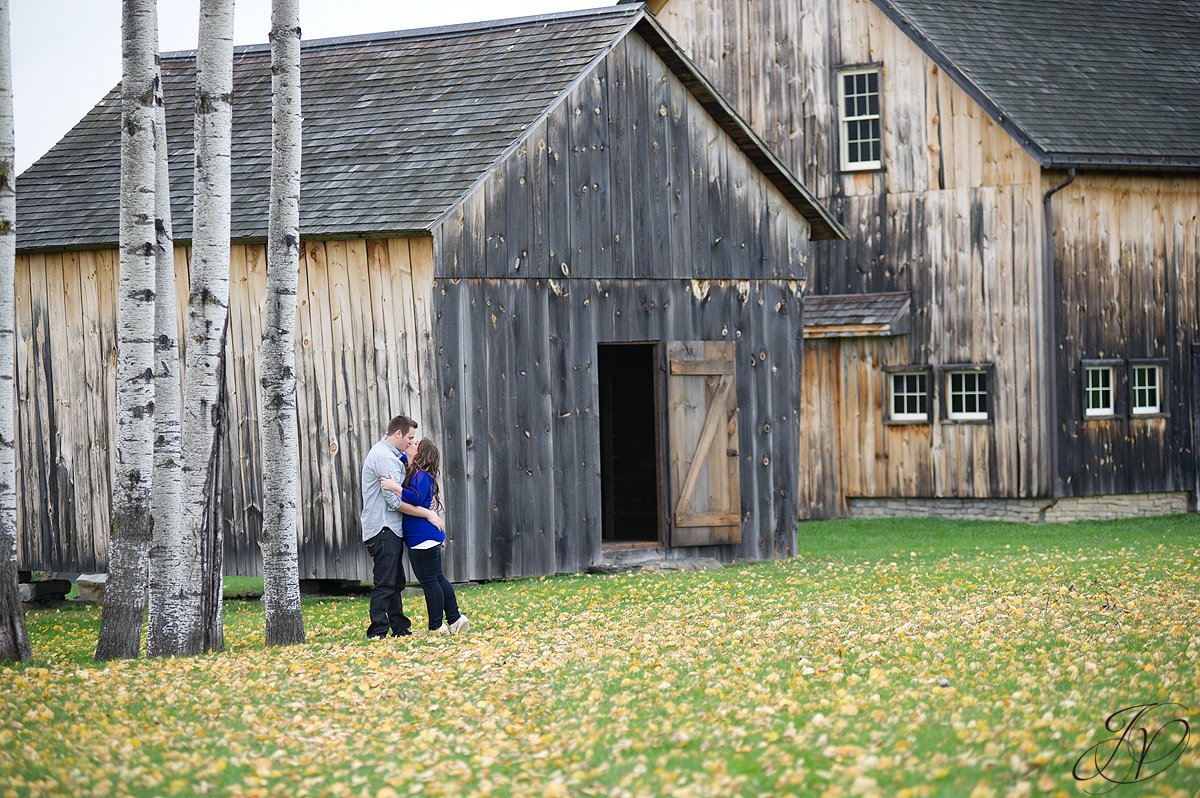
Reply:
x=549, y=239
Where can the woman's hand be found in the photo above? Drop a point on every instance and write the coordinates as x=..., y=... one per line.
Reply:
x=387, y=483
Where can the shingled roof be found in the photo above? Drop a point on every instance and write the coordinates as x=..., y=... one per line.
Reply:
x=1083, y=83
x=397, y=129
x=856, y=315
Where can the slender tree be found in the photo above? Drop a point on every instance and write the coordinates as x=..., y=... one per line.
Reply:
x=131, y=529
x=277, y=399
x=207, y=324
x=14, y=642
x=166, y=555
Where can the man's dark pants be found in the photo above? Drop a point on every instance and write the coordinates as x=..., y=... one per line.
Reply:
x=387, y=610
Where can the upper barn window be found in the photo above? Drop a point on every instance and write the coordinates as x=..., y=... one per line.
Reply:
x=858, y=115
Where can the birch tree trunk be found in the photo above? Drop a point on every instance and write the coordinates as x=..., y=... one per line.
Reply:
x=277, y=399
x=208, y=318
x=14, y=641
x=131, y=525
x=166, y=560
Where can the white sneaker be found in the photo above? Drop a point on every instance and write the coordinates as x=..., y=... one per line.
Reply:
x=443, y=629
x=461, y=625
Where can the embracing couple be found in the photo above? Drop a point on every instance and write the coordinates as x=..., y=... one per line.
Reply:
x=400, y=508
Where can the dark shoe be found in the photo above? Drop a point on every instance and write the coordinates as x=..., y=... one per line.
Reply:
x=401, y=633
x=377, y=637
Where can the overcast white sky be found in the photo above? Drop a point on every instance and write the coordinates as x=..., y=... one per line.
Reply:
x=67, y=53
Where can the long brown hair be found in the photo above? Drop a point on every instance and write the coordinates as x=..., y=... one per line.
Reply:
x=429, y=460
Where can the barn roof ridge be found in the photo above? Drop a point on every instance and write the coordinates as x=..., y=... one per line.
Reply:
x=426, y=33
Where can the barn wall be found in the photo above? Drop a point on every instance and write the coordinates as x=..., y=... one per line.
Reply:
x=521, y=442
x=1127, y=252
x=628, y=177
x=954, y=217
x=363, y=346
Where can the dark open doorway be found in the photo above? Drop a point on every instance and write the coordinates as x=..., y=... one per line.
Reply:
x=630, y=473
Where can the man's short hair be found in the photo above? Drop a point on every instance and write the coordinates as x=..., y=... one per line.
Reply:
x=401, y=424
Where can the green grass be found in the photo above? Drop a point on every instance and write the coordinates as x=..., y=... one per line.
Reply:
x=817, y=675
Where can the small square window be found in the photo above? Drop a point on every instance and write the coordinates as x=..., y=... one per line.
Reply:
x=1098, y=391
x=1145, y=388
x=967, y=395
x=909, y=396
x=859, y=118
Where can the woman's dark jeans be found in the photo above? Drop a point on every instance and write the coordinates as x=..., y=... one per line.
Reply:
x=439, y=593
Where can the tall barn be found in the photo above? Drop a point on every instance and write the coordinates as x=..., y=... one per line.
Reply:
x=1010, y=330
x=549, y=239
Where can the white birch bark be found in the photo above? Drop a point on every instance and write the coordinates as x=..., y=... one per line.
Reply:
x=131, y=523
x=166, y=560
x=14, y=641
x=277, y=399
x=208, y=316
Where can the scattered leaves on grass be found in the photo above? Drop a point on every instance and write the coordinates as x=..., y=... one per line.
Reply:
x=956, y=672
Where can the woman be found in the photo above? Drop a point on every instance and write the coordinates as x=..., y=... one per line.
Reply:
x=425, y=541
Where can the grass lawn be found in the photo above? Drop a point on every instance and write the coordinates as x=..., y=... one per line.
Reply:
x=889, y=658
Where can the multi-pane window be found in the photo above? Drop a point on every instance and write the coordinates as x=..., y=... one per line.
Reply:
x=1098, y=391
x=967, y=394
x=909, y=396
x=1145, y=389
x=858, y=109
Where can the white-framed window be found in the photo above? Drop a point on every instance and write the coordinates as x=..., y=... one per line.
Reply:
x=909, y=395
x=967, y=394
x=1145, y=388
x=1099, y=391
x=859, y=119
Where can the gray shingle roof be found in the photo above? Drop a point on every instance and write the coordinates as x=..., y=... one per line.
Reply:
x=397, y=128
x=850, y=315
x=1078, y=82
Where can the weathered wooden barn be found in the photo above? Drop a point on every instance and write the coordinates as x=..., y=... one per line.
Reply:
x=1010, y=330
x=549, y=239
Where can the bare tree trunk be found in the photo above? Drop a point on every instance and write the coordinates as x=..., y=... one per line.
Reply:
x=208, y=315
x=166, y=560
x=131, y=526
x=14, y=641
x=277, y=399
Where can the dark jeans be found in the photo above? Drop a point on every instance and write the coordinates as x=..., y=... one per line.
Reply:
x=387, y=611
x=439, y=593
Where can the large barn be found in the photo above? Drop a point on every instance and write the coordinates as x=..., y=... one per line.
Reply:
x=1011, y=329
x=548, y=239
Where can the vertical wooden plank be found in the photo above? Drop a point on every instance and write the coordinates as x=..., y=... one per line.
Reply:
x=42, y=430
x=682, y=194
x=558, y=194
x=406, y=332
x=77, y=471
x=324, y=422
x=30, y=547
x=57, y=371
x=623, y=140
x=91, y=363
x=495, y=220
x=425, y=334
x=311, y=526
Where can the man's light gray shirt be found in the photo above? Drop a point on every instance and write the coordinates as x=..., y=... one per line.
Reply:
x=381, y=507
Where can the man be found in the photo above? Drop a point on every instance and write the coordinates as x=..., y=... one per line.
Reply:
x=381, y=527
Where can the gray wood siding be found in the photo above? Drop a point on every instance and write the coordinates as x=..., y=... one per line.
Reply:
x=1127, y=251
x=522, y=438
x=627, y=178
